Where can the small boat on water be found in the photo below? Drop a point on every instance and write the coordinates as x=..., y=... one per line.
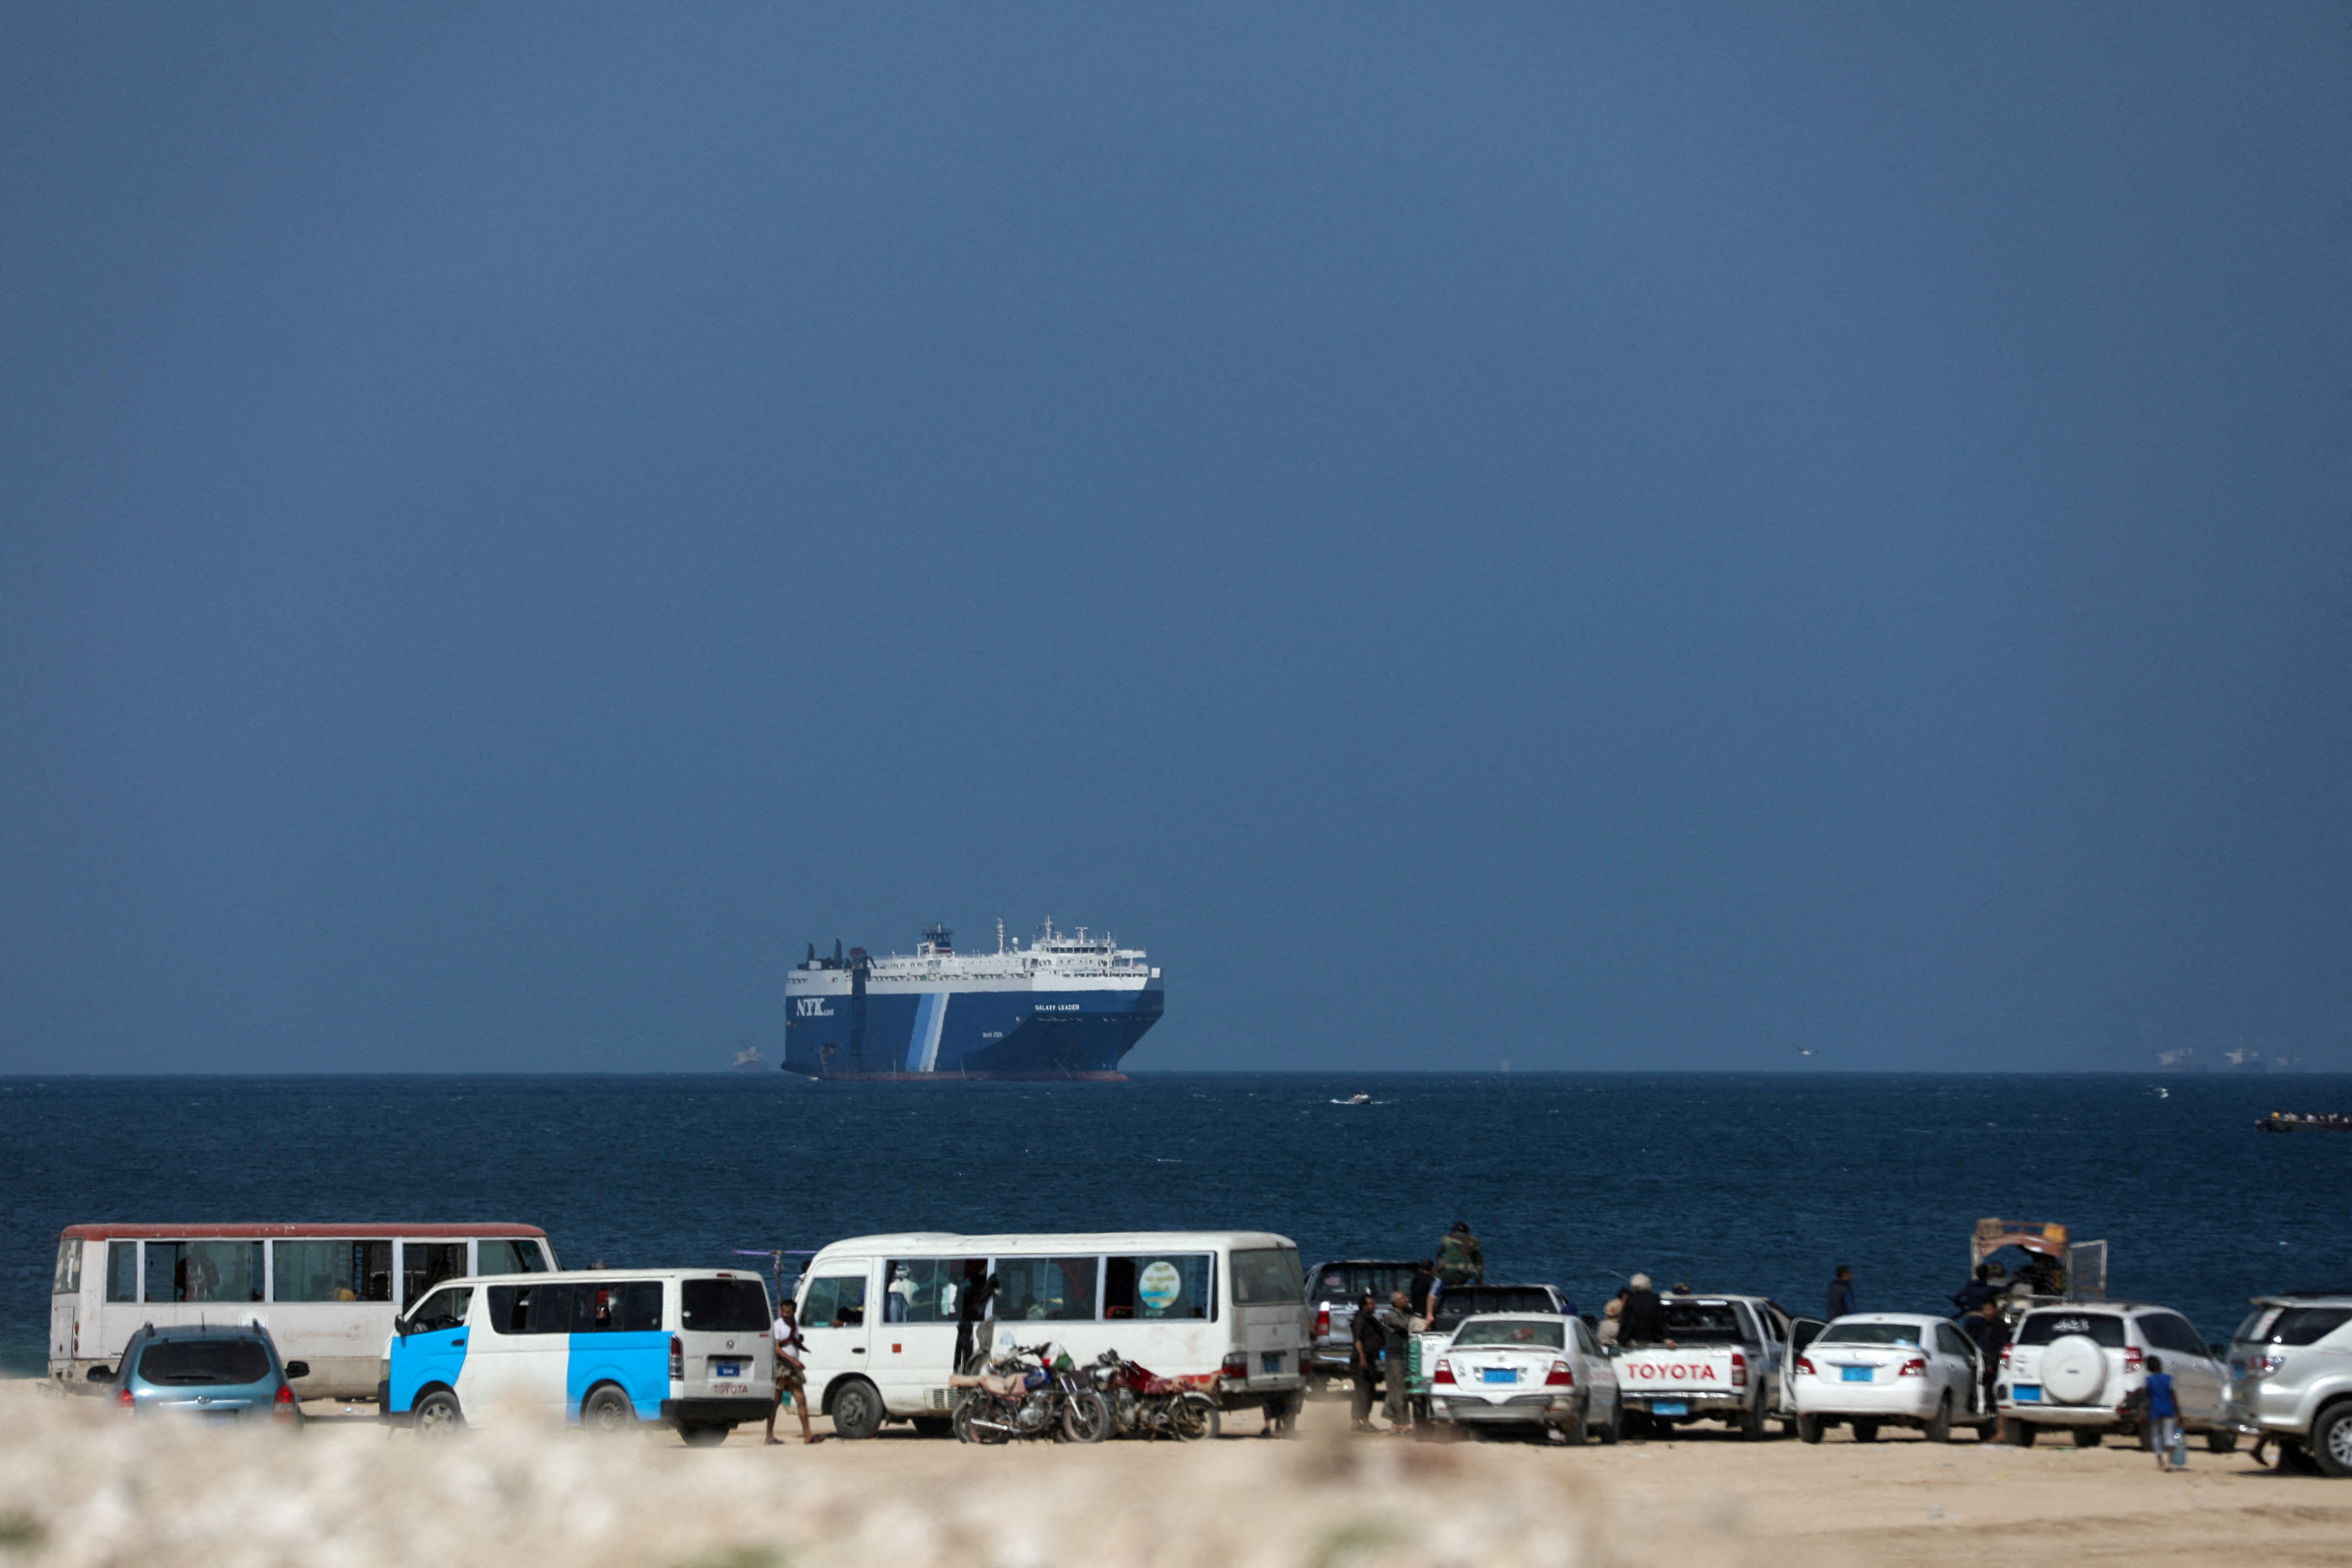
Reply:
x=2298, y=1121
x=1354, y=1099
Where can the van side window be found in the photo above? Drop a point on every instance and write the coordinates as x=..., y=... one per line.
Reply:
x=122, y=1272
x=1172, y=1285
x=627, y=1307
x=498, y=1255
x=1046, y=1290
x=835, y=1302
x=531, y=1310
x=442, y=1309
x=335, y=1270
x=204, y=1271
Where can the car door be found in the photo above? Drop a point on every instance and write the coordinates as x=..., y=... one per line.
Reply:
x=2200, y=1380
x=1955, y=1367
x=1802, y=1334
x=833, y=1314
x=1598, y=1370
x=432, y=1351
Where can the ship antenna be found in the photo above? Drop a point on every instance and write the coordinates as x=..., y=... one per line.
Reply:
x=1000, y=933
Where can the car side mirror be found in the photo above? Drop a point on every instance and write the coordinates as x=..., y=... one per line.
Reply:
x=101, y=1375
x=295, y=1368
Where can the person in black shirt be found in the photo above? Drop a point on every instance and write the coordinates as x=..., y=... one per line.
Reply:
x=1364, y=1371
x=1643, y=1320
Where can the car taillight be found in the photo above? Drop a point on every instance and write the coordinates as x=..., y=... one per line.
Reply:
x=282, y=1401
x=2004, y=1353
x=1444, y=1372
x=2134, y=1359
x=1236, y=1367
x=1916, y=1367
x=1738, y=1370
x=1323, y=1323
x=123, y=1401
x=678, y=1358
x=2264, y=1365
x=1805, y=1367
x=1559, y=1376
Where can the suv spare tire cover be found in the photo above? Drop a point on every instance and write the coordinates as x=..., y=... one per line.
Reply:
x=2073, y=1369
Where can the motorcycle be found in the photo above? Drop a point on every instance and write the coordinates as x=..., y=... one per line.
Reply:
x=1031, y=1391
x=1145, y=1405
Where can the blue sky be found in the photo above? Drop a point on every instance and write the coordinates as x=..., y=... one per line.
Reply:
x=1603, y=536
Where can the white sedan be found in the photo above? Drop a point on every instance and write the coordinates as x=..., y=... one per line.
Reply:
x=1539, y=1371
x=1878, y=1369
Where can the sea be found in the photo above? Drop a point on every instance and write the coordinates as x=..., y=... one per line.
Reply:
x=1761, y=1183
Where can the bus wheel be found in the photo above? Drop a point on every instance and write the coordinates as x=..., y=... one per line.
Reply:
x=607, y=1409
x=704, y=1433
x=437, y=1415
x=856, y=1409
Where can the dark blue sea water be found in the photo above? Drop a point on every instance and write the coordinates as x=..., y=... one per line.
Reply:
x=1750, y=1183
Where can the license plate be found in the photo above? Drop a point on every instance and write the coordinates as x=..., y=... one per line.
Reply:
x=1858, y=1373
x=731, y=1388
x=1668, y=1407
x=2026, y=1394
x=1270, y=1362
x=1502, y=1375
x=726, y=1369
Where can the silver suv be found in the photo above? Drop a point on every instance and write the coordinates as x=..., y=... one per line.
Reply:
x=2083, y=1366
x=2292, y=1362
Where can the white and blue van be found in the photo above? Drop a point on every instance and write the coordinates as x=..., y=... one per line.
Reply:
x=606, y=1348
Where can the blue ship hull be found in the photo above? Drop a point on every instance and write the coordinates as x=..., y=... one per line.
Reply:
x=946, y=1035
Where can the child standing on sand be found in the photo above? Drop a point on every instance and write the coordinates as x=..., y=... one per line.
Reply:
x=2164, y=1418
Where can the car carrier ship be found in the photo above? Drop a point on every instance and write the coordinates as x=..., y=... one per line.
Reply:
x=1063, y=1008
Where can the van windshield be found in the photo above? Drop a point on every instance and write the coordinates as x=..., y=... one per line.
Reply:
x=198, y=1364
x=723, y=1306
x=2043, y=1327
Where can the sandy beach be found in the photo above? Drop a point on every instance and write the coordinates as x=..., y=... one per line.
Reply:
x=79, y=1485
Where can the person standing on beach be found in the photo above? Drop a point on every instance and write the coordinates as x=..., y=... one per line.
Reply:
x=792, y=1368
x=1459, y=1259
x=1396, y=1326
x=1988, y=1334
x=1369, y=1338
x=1842, y=1302
x=2163, y=1418
x=1643, y=1320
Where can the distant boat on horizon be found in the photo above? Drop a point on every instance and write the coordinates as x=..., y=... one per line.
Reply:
x=749, y=1059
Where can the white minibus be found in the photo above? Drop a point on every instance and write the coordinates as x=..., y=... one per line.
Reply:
x=606, y=1348
x=889, y=1318
x=327, y=1293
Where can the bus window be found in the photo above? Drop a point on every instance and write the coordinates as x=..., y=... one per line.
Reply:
x=835, y=1302
x=499, y=1256
x=204, y=1271
x=1266, y=1277
x=67, y=1278
x=1178, y=1285
x=630, y=1307
x=425, y=1264
x=1047, y=1289
x=122, y=1272
x=330, y=1270
x=924, y=1290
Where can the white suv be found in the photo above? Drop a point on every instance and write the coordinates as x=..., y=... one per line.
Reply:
x=2081, y=1366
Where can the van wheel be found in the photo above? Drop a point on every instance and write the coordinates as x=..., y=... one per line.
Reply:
x=2088, y=1437
x=1864, y=1431
x=704, y=1433
x=1808, y=1428
x=2221, y=1440
x=1939, y=1425
x=856, y=1410
x=437, y=1414
x=2330, y=1443
x=607, y=1409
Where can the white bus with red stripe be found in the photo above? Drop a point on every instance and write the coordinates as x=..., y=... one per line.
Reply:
x=327, y=1293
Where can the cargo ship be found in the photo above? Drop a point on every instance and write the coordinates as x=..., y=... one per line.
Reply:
x=1063, y=1007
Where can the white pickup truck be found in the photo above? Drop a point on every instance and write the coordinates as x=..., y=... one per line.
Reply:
x=1723, y=1359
